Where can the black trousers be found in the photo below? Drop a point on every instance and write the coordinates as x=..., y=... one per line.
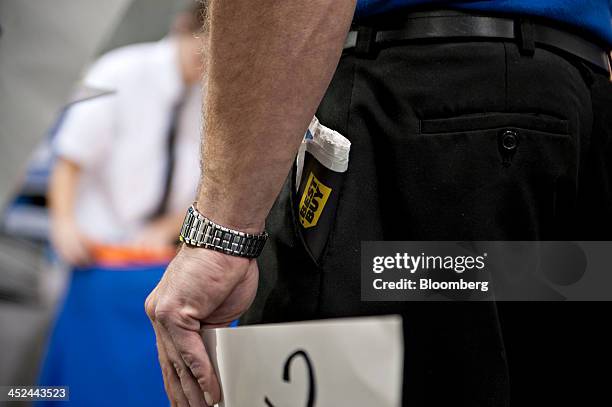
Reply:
x=427, y=124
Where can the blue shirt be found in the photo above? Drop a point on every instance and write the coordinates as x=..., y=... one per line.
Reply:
x=594, y=16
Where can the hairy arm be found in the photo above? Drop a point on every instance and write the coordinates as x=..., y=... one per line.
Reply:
x=270, y=64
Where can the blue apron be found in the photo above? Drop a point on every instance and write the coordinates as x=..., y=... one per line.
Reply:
x=103, y=345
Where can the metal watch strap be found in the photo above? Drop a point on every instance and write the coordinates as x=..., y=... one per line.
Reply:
x=199, y=231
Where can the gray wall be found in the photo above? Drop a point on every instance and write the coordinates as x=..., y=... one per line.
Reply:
x=44, y=47
x=144, y=20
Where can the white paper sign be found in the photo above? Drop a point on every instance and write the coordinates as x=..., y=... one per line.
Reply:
x=340, y=362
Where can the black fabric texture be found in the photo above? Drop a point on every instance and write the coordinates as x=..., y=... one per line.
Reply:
x=426, y=122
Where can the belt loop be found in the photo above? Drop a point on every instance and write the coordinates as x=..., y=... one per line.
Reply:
x=525, y=34
x=365, y=46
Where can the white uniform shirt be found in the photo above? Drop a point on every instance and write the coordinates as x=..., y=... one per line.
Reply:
x=120, y=140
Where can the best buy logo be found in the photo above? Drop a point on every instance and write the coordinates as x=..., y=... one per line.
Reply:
x=313, y=201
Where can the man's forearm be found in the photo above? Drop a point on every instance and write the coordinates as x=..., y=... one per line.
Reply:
x=270, y=62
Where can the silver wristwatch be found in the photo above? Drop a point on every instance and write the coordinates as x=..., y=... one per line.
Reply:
x=199, y=231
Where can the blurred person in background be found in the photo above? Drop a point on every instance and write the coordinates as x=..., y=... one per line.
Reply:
x=115, y=181
x=117, y=196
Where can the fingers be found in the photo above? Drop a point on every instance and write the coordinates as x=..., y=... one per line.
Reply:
x=163, y=363
x=74, y=253
x=172, y=382
x=190, y=347
x=70, y=244
x=82, y=256
x=189, y=377
x=188, y=384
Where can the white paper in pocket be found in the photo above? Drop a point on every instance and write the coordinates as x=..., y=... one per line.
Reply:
x=350, y=362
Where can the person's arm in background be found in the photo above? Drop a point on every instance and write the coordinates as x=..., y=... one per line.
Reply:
x=160, y=233
x=66, y=237
x=81, y=142
x=270, y=63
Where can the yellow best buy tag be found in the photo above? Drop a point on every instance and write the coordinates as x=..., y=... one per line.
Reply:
x=313, y=201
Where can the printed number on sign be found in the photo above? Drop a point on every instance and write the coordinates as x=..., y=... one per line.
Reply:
x=311, y=377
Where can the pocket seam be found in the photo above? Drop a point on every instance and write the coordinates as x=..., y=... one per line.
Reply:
x=329, y=246
x=492, y=121
x=543, y=133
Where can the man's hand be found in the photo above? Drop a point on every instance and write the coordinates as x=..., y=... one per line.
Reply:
x=68, y=241
x=200, y=289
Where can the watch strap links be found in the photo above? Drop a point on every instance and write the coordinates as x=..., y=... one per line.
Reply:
x=199, y=231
